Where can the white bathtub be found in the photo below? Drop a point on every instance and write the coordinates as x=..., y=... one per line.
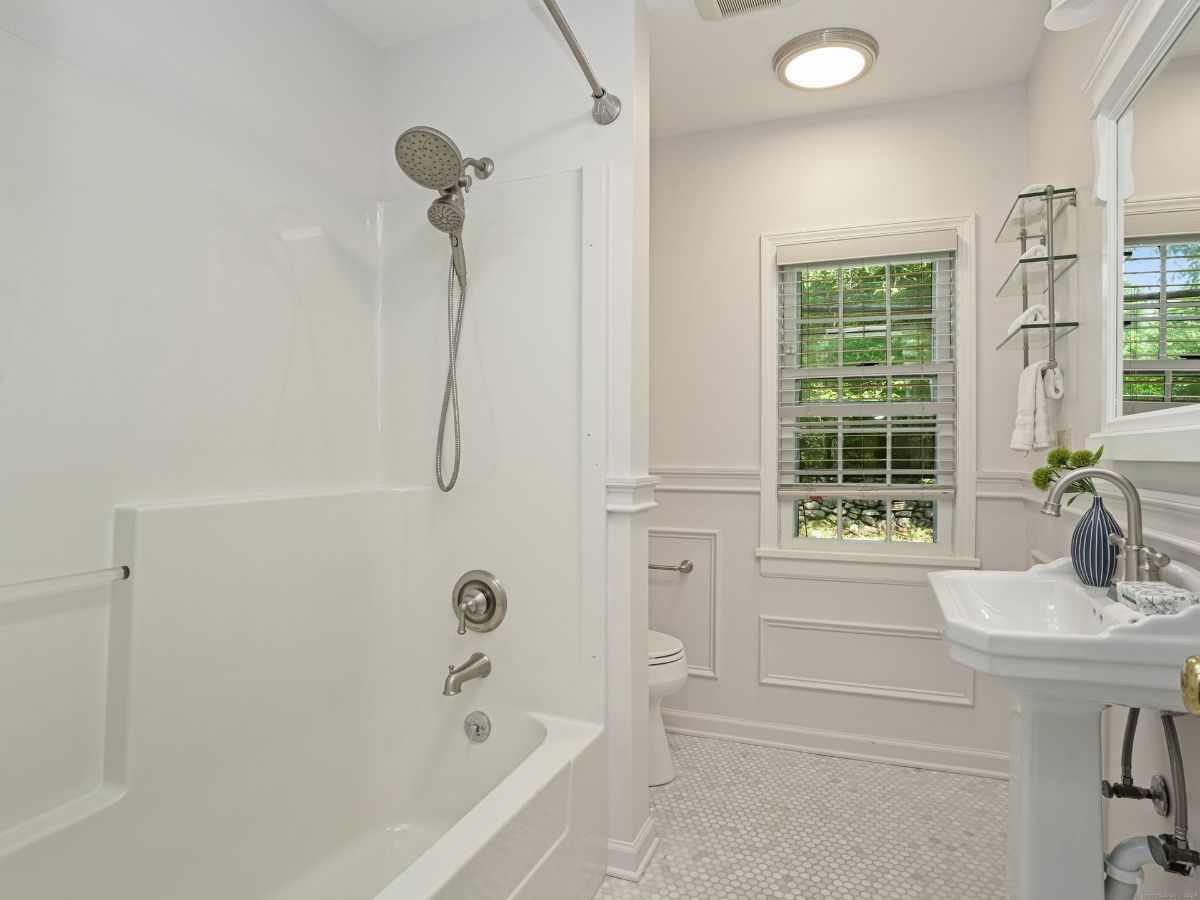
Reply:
x=495, y=821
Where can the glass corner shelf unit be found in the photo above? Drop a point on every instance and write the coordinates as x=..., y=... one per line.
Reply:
x=1035, y=330
x=1031, y=276
x=1027, y=218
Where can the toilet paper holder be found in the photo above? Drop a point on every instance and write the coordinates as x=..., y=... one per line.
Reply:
x=683, y=568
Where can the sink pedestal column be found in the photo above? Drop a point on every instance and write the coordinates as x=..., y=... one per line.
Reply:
x=1056, y=840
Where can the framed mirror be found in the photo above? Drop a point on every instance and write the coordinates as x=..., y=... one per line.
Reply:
x=1146, y=88
x=1160, y=270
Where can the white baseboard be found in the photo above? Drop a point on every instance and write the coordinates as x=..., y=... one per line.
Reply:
x=629, y=860
x=913, y=754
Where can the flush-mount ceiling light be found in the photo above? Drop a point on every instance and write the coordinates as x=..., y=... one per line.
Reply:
x=1067, y=14
x=827, y=58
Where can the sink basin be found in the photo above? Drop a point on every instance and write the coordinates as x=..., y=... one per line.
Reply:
x=1066, y=651
x=1059, y=638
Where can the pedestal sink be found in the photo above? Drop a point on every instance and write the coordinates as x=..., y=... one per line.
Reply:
x=1066, y=651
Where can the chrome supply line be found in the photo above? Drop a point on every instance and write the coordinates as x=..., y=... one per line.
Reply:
x=605, y=106
x=63, y=584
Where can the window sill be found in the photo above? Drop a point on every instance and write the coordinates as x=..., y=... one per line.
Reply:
x=843, y=565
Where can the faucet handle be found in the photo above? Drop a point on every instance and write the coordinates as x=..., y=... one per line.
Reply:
x=1156, y=560
x=1117, y=540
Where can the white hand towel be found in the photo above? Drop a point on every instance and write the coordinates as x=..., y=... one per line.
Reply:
x=1035, y=313
x=1037, y=251
x=1051, y=388
x=1028, y=388
x=1034, y=425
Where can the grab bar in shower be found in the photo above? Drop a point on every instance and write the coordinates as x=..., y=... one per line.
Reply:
x=605, y=106
x=684, y=568
x=63, y=584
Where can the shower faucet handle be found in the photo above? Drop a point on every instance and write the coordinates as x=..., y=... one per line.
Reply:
x=471, y=600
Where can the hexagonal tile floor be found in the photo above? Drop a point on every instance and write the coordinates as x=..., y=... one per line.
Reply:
x=741, y=822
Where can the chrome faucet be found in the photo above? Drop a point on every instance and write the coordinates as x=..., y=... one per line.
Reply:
x=478, y=666
x=1139, y=562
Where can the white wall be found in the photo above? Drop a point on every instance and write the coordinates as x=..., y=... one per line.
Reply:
x=713, y=194
x=1167, y=131
x=159, y=336
x=1060, y=149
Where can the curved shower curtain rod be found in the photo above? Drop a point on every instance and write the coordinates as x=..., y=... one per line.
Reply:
x=605, y=106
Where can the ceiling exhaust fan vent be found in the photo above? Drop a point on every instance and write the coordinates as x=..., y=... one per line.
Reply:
x=715, y=10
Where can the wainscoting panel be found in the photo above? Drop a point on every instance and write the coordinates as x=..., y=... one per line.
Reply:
x=687, y=606
x=895, y=661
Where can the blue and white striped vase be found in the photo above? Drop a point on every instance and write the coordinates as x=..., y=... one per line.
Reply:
x=1094, y=557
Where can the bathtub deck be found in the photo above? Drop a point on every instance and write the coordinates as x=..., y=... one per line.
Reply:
x=750, y=822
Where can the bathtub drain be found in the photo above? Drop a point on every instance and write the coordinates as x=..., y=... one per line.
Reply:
x=478, y=727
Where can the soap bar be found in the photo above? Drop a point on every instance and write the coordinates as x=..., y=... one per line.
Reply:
x=1154, y=598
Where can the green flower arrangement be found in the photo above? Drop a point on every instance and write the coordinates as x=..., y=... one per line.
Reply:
x=1060, y=460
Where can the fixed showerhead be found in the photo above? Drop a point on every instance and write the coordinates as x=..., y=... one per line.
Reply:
x=432, y=160
x=448, y=212
x=429, y=158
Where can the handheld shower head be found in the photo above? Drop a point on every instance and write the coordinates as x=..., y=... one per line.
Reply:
x=433, y=161
x=448, y=212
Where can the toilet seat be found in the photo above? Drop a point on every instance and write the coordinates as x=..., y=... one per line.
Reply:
x=663, y=648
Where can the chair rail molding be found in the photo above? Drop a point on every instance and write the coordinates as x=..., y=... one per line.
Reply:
x=631, y=494
x=707, y=479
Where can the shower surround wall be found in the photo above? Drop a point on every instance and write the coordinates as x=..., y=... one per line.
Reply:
x=201, y=294
x=187, y=262
x=503, y=71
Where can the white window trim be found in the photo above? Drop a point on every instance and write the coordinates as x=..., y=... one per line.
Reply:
x=854, y=563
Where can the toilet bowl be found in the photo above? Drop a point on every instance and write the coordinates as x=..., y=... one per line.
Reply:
x=668, y=673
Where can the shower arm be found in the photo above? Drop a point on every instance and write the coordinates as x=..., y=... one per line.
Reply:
x=605, y=106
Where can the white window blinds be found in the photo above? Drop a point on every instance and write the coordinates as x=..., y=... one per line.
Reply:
x=867, y=401
x=1161, y=332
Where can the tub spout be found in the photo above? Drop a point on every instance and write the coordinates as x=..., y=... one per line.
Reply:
x=478, y=666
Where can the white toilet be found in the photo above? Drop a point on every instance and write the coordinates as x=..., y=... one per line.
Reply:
x=668, y=673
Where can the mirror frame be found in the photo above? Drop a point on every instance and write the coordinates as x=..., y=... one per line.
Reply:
x=1137, y=45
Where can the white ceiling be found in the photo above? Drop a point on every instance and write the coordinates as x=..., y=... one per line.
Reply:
x=707, y=75
x=389, y=22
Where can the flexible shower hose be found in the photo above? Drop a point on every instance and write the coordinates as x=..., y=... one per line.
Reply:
x=454, y=319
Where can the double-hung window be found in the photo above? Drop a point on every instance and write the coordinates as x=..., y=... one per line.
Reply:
x=866, y=390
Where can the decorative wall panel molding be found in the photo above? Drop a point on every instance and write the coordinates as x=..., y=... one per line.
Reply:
x=898, y=662
x=688, y=606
